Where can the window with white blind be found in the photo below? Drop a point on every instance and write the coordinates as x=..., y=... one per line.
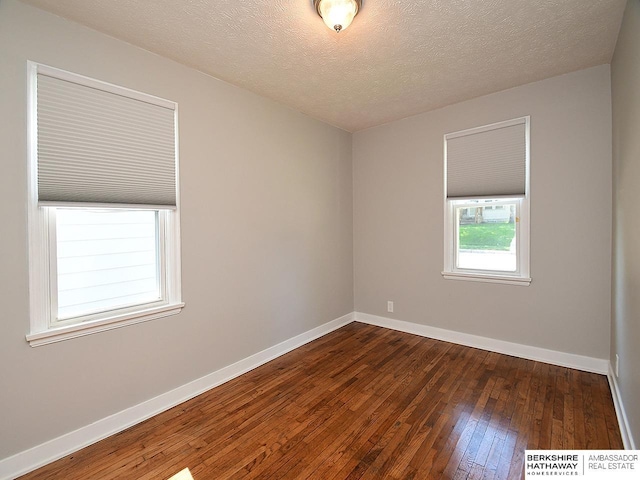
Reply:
x=487, y=203
x=103, y=206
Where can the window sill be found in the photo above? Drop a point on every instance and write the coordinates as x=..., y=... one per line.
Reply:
x=59, y=334
x=479, y=277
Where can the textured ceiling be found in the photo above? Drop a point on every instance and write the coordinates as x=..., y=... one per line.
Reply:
x=398, y=58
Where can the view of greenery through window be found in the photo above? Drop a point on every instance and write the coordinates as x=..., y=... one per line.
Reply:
x=486, y=227
x=487, y=236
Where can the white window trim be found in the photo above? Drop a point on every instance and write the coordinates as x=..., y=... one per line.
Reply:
x=519, y=277
x=522, y=275
x=42, y=330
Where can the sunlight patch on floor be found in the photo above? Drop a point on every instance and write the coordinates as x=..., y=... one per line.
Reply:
x=184, y=474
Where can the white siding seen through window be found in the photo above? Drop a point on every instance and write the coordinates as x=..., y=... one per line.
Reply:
x=106, y=259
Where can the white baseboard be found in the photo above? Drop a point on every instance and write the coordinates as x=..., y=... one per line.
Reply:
x=625, y=430
x=570, y=360
x=45, y=453
x=35, y=457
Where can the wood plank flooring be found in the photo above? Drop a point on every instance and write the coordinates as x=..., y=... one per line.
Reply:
x=364, y=403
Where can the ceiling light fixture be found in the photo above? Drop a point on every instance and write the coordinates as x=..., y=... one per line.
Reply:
x=337, y=14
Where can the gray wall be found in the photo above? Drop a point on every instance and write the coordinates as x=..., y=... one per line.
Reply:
x=266, y=235
x=398, y=219
x=625, y=328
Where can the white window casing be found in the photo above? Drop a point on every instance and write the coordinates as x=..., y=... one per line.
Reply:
x=96, y=147
x=488, y=167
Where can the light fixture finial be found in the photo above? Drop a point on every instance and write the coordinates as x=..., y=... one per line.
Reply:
x=337, y=14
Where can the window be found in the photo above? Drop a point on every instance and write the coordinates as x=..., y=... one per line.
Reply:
x=487, y=203
x=103, y=206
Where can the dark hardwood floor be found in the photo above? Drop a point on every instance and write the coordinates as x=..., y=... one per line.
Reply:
x=364, y=402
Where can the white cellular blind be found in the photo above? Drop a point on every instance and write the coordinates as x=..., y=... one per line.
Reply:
x=487, y=163
x=95, y=146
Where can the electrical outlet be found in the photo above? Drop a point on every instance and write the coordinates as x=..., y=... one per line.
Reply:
x=390, y=307
x=617, y=366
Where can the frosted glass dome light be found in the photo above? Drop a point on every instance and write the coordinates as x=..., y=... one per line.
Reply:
x=337, y=14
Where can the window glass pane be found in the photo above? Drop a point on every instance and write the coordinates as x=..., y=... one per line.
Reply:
x=107, y=259
x=487, y=238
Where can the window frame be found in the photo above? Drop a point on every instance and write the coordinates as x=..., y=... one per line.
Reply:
x=42, y=241
x=522, y=274
x=519, y=277
x=161, y=262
